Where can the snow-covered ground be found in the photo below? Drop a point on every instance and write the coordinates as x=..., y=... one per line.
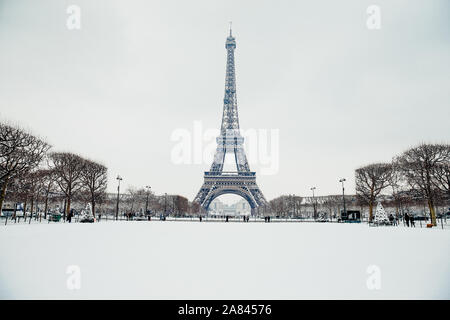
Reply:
x=217, y=260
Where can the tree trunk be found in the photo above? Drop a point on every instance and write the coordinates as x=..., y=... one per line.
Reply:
x=432, y=212
x=15, y=212
x=31, y=208
x=46, y=206
x=93, y=208
x=397, y=210
x=66, y=213
x=3, y=192
x=25, y=210
x=370, y=211
x=36, y=216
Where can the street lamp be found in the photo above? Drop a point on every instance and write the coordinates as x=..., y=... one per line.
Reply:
x=314, y=203
x=343, y=196
x=119, y=178
x=146, y=202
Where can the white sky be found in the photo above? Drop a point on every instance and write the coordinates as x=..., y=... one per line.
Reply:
x=340, y=94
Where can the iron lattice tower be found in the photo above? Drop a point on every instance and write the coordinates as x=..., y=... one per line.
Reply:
x=242, y=181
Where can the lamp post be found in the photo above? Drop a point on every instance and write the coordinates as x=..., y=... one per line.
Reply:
x=314, y=203
x=146, y=202
x=343, y=195
x=119, y=178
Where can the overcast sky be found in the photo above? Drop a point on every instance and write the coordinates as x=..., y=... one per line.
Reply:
x=341, y=95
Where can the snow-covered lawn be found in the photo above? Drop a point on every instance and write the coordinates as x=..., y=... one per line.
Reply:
x=216, y=260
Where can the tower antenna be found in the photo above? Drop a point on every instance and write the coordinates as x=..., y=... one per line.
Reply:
x=230, y=28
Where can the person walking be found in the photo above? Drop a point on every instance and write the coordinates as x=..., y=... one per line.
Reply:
x=407, y=219
x=411, y=221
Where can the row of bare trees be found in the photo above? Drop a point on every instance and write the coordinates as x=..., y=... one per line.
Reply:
x=421, y=173
x=75, y=175
x=286, y=206
x=20, y=153
x=139, y=201
x=31, y=173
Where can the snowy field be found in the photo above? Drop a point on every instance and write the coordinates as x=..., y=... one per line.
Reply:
x=193, y=260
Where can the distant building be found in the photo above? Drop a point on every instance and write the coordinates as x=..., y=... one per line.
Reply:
x=241, y=207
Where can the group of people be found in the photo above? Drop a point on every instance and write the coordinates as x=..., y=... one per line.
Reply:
x=392, y=220
x=409, y=220
x=267, y=219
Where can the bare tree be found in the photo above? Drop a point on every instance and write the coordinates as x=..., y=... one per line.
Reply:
x=195, y=208
x=68, y=168
x=20, y=152
x=370, y=181
x=331, y=203
x=19, y=191
x=419, y=165
x=94, y=178
x=33, y=181
x=135, y=199
x=441, y=178
x=397, y=183
x=48, y=185
x=181, y=205
x=281, y=205
x=296, y=201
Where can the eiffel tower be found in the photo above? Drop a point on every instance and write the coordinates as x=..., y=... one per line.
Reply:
x=243, y=181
